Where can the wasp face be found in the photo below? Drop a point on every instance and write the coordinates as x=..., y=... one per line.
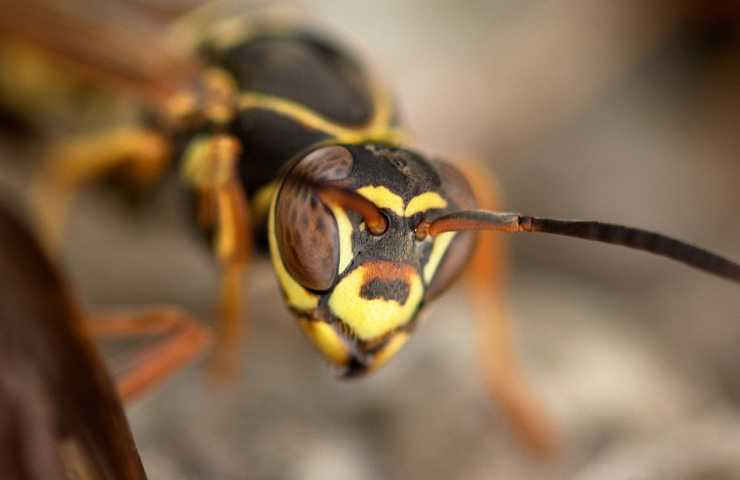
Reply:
x=356, y=292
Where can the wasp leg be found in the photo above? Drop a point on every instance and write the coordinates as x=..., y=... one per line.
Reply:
x=529, y=419
x=184, y=339
x=140, y=153
x=211, y=166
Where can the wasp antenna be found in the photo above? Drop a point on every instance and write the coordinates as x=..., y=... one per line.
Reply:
x=330, y=194
x=374, y=219
x=634, y=238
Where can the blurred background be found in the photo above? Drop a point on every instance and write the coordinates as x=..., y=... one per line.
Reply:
x=625, y=112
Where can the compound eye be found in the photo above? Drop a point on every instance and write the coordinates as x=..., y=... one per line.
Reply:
x=305, y=229
x=457, y=253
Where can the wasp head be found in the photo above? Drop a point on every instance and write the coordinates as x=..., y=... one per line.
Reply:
x=343, y=242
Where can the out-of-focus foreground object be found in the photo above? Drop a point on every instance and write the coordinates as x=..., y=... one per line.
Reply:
x=54, y=388
x=60, y=62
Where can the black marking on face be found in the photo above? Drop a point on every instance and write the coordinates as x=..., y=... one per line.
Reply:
x=396, y=290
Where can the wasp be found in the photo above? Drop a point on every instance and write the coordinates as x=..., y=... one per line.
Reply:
x=61, y=412
x=278, y=132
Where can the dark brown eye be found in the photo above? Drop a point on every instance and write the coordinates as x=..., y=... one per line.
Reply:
x=455, y=257
x=305, y=229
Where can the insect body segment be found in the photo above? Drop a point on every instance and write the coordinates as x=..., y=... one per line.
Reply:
x=358, y=292
x=294, y=89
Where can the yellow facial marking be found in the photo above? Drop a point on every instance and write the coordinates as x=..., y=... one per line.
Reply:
x=297, y=296
x=441, y=242
x=371, y=318
x=326, y=340
x=391, y=348
x=344, y=230
x=383, y=198
x=425, y=201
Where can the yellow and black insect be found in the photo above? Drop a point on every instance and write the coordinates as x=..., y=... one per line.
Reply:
x=280, y=131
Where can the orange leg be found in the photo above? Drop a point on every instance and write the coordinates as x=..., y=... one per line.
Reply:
x=231, y=331
x=211, y=167
x=504, y=380
x=140, y=154
x=184, y=339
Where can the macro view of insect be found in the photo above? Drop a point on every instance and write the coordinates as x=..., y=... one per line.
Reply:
x=274, y=136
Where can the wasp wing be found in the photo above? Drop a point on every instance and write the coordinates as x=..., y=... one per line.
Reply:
x=112, y=41
x=51, y=377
